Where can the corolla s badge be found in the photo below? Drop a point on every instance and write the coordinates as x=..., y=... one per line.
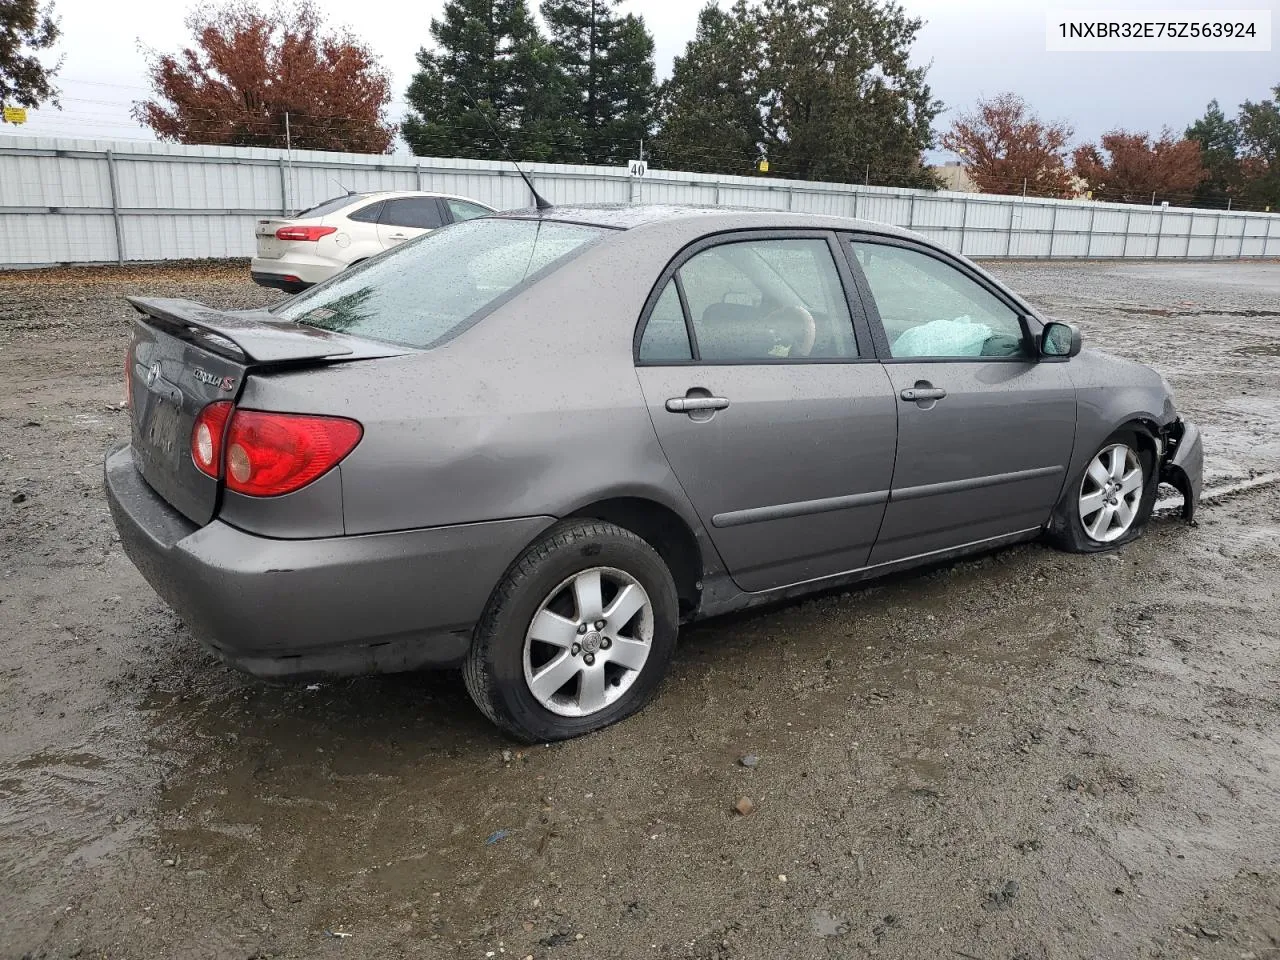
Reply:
x=153, y=374
x=213, y=380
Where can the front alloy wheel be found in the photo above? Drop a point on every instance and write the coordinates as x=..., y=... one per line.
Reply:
x=1111, y=493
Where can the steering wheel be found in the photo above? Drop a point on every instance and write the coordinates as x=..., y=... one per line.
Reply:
x=794, y=328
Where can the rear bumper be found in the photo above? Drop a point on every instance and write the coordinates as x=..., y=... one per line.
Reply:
x=278, y=281
x=292, y=273
x=1183, y=463
x=359, y=604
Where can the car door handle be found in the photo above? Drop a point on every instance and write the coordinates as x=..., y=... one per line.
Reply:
x=692, y=404
x=918, y=394
x=399, y=236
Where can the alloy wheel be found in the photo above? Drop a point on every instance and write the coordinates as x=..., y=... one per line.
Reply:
x=588, y=641
x=1111, y=493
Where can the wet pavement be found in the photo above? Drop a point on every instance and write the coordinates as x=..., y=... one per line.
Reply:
x=1026, y=755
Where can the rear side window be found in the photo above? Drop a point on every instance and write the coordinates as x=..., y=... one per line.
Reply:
x=431, y=287
x=420, y=212
x=768, y=301
x=665, y=335
x=462, y=210
x=367, y=214
x=332, y=206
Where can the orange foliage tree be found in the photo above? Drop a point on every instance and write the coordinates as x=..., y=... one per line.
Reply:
x=1131, y=168
x=246, y=69
x=1002, y=144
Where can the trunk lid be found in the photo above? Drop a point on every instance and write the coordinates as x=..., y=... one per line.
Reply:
x=270, y=248
x=185, y=356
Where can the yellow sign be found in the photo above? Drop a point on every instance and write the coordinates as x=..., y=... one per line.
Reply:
x=15, y=114
x=764, y=166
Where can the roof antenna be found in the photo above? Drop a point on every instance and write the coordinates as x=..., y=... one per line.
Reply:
x=342, y=185
x=539, y=201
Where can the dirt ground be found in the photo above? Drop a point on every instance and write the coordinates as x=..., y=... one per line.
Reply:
x=1030, y=755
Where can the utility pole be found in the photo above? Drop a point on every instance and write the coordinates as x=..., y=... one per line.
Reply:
x=288, y=152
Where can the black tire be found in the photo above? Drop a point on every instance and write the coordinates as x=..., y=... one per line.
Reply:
x=494, y=668
x=1066, y=530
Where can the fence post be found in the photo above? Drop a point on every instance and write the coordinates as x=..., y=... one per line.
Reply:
x=1191, y=228
x=1088, y=243
x=1008, y=237
x=1128, y=220
x=855, y=204
x=1244, y=225
x=964, y=221
x=115, y=207
x=284, y=188
x=418, y=167
x=1053, y=230
x=717, y=199
x=790, y=197
x=911, y=213
x=1159, y=232
x=1217, y=227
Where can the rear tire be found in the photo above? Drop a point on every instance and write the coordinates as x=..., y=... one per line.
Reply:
x=1098, y=510
x=513, y=668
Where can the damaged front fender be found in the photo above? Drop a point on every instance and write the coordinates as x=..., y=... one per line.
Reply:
x=1182, y=463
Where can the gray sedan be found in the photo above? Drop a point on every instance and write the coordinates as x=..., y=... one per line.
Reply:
x=532, y=445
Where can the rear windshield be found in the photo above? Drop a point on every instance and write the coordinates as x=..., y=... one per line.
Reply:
x=429, y=288
x=330, y=206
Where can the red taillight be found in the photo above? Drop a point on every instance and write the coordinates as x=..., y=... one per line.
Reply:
x=304, y=233
x=263, y=454
x=206, y=437
x=268, y=454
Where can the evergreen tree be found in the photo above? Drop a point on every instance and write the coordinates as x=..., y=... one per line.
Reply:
x=840, y=94
x=711, y=120
x=1219, y=139
x=606, y=71
x=25, y=29
x=489, y=50
x=1260, y=143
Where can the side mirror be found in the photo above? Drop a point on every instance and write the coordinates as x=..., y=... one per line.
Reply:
x=1059, y=340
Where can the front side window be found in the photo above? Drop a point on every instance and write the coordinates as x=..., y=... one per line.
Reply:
x=420, y=212
x=930, y=309
x=432, y=286
x=765, y=301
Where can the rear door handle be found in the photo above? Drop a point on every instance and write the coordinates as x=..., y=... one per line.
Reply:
x=918, y=394
x=692, y=404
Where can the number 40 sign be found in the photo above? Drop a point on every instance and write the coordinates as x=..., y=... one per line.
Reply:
x=637, y=168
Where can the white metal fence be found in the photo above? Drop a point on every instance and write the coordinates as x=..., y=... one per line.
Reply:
x=93, y=201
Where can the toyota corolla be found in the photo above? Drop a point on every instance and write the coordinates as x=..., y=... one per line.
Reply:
x=535, y=444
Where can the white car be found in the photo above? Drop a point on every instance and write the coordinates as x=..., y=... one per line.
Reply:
x=295, y=253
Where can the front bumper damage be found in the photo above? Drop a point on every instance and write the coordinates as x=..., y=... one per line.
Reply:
x=1182, y=463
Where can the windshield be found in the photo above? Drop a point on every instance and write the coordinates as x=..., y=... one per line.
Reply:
x=429, y=288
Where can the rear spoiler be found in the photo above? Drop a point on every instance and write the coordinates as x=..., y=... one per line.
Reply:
x=260, y=337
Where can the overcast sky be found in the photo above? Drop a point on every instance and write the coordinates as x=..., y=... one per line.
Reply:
x=973, y=48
